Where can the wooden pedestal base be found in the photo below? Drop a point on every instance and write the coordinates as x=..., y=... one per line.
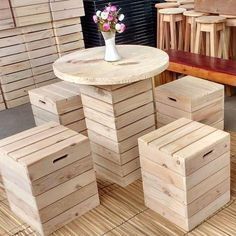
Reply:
x=116, y=116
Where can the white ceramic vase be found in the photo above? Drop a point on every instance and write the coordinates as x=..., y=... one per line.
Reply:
x=111, y=53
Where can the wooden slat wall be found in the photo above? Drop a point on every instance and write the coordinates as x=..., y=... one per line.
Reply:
x=40, y=31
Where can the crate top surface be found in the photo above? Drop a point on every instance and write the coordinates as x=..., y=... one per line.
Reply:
x=33, y=145
x=191, y=87
x=184, y=138
x=189, y=93
x=57, y=92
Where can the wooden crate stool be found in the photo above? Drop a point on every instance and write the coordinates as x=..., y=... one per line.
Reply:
x=192, y=98
x=171, y=28
x=186, y=171
x=190, y=29
x=214, y=28
x=59, y=102
x=48, y=175
x=116, y=116
x=160, y=6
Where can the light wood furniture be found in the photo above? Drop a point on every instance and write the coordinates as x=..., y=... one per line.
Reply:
x=227, y=7
x=186, y=171
x=192, y=98
x=214, y=29
x=59, y=102
x=160, y=6
x=171, y=28
x=190, y=29
x=118, y=104
x=48, y=176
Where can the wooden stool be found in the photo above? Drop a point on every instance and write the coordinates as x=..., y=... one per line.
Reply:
x=59, y=102
x=190, y=29
x=160, y=6
x=192, y=98
x=186, y=171
x=214, y=28
x=49, y=176
x=171, y=24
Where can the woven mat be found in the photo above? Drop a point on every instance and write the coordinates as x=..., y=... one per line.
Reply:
x=122, y=212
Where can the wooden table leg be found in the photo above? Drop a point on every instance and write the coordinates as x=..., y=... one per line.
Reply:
x=116, y=116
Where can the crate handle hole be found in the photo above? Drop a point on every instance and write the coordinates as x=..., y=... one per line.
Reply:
x=60, y=158
x=172, y=99
x=42, y=102
x=207, y=154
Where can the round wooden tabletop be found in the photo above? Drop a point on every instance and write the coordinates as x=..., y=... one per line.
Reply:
x=88, y=66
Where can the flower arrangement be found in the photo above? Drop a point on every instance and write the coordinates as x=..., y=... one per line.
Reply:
x=110, y=19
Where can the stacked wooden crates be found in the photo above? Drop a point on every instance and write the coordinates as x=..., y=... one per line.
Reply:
x=16, y=75
x=59, y=102
x=192, y=98
x=67, y=26
x=48, y=175
x=42, y=51
x=69, y=36
x=43, y=31
x=186, y=171
x=116, y=116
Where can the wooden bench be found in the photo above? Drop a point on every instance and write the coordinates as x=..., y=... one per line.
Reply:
x=209, y=68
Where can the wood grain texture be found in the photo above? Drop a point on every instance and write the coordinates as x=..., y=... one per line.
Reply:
x=88, y=67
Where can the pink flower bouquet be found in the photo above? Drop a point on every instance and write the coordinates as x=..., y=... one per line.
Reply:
x=110, y=19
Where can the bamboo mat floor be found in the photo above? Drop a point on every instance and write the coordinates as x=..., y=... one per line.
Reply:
x=122, y=212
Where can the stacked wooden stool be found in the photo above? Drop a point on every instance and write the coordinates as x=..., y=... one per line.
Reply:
x=186, y=171
x=59, y=102
x=160, y=6
x=48, y=176
x=192, y=98
x=190, y=29
x=214, y=28
x=171, y=28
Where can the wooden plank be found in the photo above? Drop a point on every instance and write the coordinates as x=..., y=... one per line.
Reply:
x=123, y=133
x=120, y=170
x=20, y=92
x=195, y=220
x=179, y=181
x=115, y=157
x=122, y=181
x=118, y=108
x=187, y=211
x=216, y=6
x=17, y=102
x=70, y=13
